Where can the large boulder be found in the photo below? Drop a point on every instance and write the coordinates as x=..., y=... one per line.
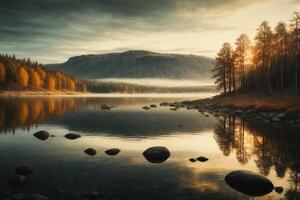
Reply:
x=24, y=170
x=112, y=152
x=157, y=154
x=72, y=136
x=249, y=183
x=42, y=135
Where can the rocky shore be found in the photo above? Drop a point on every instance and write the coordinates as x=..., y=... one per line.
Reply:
x=272, y=110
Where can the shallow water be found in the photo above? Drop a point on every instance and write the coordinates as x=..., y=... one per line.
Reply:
x=62, y=169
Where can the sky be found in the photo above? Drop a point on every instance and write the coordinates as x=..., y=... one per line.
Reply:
x=51, y=31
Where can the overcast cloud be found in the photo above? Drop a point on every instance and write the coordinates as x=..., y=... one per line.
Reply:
x=52, y=30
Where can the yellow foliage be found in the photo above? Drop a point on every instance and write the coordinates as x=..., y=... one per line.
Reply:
x=71, y=85
x=22, y=77
x=35, y=80
x=50, y=83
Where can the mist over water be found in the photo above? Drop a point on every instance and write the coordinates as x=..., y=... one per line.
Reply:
x=161, y=82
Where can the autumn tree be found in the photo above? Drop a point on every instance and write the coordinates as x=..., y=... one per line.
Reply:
x=295, y=45
x=22, y=77
x=263, y=47
x=50, y=83
x=34, y=80
x=224, y=68
x=2, y=73
x=241, y=56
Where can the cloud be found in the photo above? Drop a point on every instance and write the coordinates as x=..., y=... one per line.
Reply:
x=44, y=26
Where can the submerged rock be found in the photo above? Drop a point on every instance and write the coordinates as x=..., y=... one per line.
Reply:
x=18, y=181
x=278, y=189
x=22, y=196
x=112, y=152
x=72, y=136
x=249, y=183
x=90, y=151
x=42, y=135
x=146, y=107
x=106, y=107
x=192, y=160
x=164, y=104
x=157, y=154
x=202, y=159
x=24, y=170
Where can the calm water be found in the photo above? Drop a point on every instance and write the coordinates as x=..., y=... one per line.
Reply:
x=62, y=169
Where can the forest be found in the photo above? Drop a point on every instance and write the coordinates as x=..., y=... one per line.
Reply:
x=270, y=62
x=23, y=74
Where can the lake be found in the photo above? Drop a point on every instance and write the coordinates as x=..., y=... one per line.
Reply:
x=63, y=170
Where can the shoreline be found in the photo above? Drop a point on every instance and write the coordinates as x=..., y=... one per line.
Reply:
x=40, y=93
x=280, y=109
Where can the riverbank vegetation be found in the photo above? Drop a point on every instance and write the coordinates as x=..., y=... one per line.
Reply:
x=23, y=74
x=271, y=62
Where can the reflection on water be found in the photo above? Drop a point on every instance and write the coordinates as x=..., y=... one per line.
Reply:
x=62, y=169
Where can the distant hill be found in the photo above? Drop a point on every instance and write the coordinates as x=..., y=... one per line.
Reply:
x=137, y=64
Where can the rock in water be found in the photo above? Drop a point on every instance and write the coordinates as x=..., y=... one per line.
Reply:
x=72, y=136
x=202, y=159
x=42, y=135
x=278, y=189
x=249, y=183
x=153, y=106
x=157, y=154
x=112, y=152
x=106, y=107
x=90, y=151
x=18, y=181
x=146, y=107
x=24, y=170
x=22, y=196
x=192, y=160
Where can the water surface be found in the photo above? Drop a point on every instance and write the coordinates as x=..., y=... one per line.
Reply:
x=62, y=169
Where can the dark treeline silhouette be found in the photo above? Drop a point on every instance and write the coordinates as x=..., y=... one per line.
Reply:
x=23, y=74
x=270, y=62
x=251, y=139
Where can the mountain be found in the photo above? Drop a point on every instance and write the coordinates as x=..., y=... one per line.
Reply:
x=137, y=64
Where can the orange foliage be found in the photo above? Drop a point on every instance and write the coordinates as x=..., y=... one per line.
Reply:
x=50, y=83
x=2, y=72
x=22, y=77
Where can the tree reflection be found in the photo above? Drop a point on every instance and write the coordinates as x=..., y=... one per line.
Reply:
x=269, y=145
x=22, y=112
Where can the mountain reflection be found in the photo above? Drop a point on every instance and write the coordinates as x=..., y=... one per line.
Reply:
x=269, y=146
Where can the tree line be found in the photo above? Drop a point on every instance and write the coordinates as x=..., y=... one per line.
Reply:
x=270, y=62
x=23, y=74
